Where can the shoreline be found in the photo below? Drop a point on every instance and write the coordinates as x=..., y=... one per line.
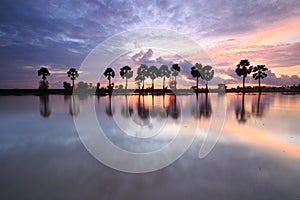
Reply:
x=20, y=92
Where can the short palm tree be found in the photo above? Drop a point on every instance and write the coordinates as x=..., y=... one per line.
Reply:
x=259, y=74
x=109, y=73
x=152, y=73
x=207, y=75
x=196, y=73
x=164, y=72
x=44, y=72
x=243, y=69
x=175, y=71
x=73, y=74
x=127, y=73
x=141, y=74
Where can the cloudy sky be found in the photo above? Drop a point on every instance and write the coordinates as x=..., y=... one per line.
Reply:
x=60, y=34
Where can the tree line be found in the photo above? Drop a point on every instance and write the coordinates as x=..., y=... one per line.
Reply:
x=206, y=73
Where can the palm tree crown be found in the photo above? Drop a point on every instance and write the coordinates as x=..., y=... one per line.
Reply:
x=43, y=71
x=127, y=73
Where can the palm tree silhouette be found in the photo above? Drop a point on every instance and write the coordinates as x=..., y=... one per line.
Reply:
x=109, y=73
x=45, y=109
x=259, y=74
x=195, y=72
x=207, y=75
x=142, y=74
x=152, y=73
x=175, y=71
x=240, y=112
x=243, y=68
x=164, y=72
x=44, y=72
x=73, y=74
x=127, y=73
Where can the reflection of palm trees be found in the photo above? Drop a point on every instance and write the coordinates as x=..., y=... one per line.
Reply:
x=45, y=109
x=74, y=108
x=202, y=109
x=143, y=112
x=126, y=110
x=258, y=110
x=173, y=109
x=109, y=109
x=240, y=112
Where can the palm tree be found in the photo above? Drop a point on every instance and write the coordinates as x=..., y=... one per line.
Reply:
x=207, y=75
x=164, y=72
x=73, y=74
x=175, y=69
x=152, y=73
x=109, y=73
x=43, y=71
x=196, y=73
x=127, y=73
x=259, y=74
x=142, y=74
x=243, y=69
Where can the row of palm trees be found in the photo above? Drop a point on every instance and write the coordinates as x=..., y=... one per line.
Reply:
x=244, y=68
x=144, y=71
x=206, y=73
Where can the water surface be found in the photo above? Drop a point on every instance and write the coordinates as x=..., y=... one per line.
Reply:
x=257, y=155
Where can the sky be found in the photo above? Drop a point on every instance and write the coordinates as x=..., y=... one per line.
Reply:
x=60, y=35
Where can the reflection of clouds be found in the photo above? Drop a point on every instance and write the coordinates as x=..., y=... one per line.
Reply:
x=48, y=161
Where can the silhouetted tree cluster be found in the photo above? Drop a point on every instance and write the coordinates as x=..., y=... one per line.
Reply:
x=244, y=68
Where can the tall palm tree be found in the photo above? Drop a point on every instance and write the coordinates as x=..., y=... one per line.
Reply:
x=142, y=74
x=43, y=71
x=175, y=69
x=196, y=73
x=164, y=72
x=152, y=73
x=259, y=74
x=207, y=75
x=73, y=74
x=243, y=69
x=109, y=73
x=127, y=73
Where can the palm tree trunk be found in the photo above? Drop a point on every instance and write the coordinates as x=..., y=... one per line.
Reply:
x=164, y=83
x=152, y=85
x=73, y=83
x=243, y=84
x=259, y=85
x=175, y=83
x=206, y=87
x=126, y=86
x=197, y=85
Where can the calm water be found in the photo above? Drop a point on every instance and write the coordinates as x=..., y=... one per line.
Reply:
x=257, y=154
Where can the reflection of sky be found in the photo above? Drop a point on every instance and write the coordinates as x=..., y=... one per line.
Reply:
x=44, y=158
